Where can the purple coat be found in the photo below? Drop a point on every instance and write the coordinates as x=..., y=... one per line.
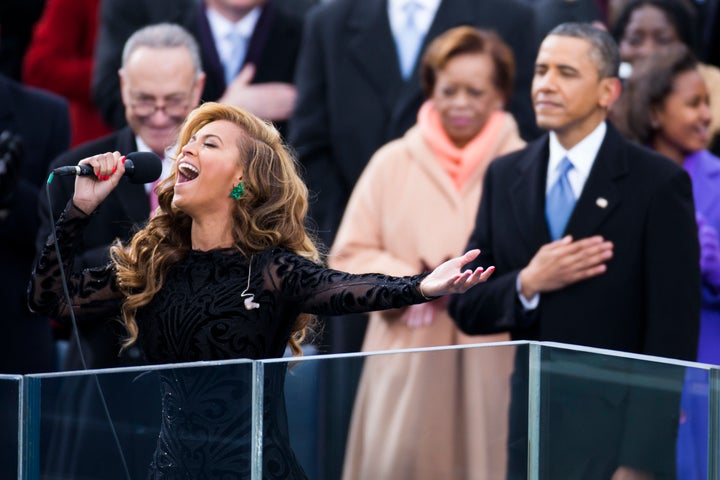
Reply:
x=704, y=170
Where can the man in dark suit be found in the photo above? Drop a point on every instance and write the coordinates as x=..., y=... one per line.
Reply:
x=622, y=273
x=263, y=79
x=36, y=128
x=161, y=81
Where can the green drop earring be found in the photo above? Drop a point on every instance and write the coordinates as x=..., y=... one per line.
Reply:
x=237, y=191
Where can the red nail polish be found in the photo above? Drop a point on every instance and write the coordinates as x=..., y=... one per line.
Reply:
x=114, y=169
x=123, y=160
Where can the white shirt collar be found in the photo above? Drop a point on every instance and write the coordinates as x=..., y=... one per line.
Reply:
x=166, y=162
x=423, y=17
x=221, y=27
x=581, y=155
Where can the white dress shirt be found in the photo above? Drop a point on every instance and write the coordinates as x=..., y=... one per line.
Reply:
x=424, y=15
x=225, y=33
x=167, y=163
x=582, y=156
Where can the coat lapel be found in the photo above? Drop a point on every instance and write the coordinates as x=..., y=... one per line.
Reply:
x=372, y=48
x=601, y=195
x=527, y=194
x=132, y=198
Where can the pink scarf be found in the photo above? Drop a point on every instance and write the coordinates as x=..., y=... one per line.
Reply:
x=459, y=163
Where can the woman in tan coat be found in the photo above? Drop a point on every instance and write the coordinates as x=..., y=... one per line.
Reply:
x=431, y=414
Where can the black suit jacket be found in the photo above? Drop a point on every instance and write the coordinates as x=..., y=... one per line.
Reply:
x=42, y=121
x=273, y=47
x=648, y=300
x=352, y=98
x=120, y=214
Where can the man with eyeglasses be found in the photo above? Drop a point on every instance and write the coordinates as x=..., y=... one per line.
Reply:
x=161, y=80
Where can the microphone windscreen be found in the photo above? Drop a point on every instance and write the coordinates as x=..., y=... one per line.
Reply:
x=146, y=167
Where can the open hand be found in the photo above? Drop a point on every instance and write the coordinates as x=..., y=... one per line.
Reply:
x=449, y=278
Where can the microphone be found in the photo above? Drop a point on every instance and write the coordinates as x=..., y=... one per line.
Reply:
x=140, y=167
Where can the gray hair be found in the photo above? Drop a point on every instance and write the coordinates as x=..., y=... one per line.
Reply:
x=163, y=35
x=603, y=49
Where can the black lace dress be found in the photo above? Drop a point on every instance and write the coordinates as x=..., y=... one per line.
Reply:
x=200, y=315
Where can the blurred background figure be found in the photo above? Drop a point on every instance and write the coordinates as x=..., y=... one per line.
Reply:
x=707, y=25
x=431, y=416
x=60, y=59
x=34, y=128
x=248, y=49
x=645, y=26
x=17, y=18
x=667, y=108
x=550, y=13
x=358, y=88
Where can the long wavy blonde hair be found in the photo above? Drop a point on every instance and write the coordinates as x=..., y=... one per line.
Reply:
x=271, y=212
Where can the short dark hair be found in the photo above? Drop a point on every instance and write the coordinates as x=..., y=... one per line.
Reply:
x=463, y=40
x=677, y=13
x=603, y=49
x=648, y=88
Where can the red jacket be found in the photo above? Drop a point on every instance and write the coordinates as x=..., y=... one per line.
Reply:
x=60, y=59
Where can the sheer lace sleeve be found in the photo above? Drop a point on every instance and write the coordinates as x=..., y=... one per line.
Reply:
x=92, y=292
x=323, y=291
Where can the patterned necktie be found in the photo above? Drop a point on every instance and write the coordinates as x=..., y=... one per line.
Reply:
x=236, y=55
x=560, y=201
x=409, y=39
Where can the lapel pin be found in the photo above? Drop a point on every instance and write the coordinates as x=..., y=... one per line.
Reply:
x=601, y=202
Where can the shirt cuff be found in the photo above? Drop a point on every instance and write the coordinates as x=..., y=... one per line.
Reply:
x=531, y=304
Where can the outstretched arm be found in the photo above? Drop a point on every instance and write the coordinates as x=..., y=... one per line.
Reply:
x=323, y=291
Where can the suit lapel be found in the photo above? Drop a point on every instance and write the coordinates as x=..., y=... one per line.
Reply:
x=601, y=194
x=215, y=81
x=527, y=194
x=372, y=48
x=133, y=198
x=260, y=36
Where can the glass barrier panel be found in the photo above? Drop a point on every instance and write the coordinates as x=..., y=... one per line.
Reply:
x=180, y=421
x=601, y=412
x=10, y=395
x=421, y=413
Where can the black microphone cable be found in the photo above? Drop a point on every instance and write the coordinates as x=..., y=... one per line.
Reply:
x=76, y=335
